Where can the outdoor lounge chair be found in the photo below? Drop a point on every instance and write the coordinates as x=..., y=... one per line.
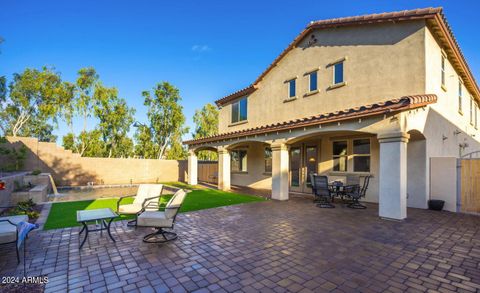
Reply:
x=9, y=230
x=355, y=192
x=321, y=191
x=147, y=198
x=161, y=220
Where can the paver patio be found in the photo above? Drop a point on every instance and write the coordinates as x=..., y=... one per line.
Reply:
x=270, y=247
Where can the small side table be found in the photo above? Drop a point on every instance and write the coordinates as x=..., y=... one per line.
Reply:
x=97, y=215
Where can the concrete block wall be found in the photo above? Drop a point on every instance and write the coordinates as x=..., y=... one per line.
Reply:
x=69, y=168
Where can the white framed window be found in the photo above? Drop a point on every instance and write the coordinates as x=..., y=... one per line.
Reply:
x=443, y=70
x=476, y=117
x=460, y=94
x=471, y=110
x=313, y=81
x=238, y=161
x=292, y=88
x=340, y=155
x=338, y=77
x=268, y=159
x=361, y=155
x=239, y=110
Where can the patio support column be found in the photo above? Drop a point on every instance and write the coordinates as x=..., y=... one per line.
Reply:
x=280, y=172
x=223, y=169
x=393, y=175
x=192, y=168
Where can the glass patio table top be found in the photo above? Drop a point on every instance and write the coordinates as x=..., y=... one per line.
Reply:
x=97, y=214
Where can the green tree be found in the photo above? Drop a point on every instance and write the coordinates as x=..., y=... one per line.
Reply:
x=114, y=115
x=206, y=124
x=95, y=146
x=39, y=129
x=165, y=115
x=35, y=97
x=82, y=104
x=144, y=146
x=176, y=151
x=3, y=100
x=124, y=149
x=68, y=141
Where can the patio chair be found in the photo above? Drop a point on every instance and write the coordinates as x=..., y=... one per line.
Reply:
x=146, y=199
x=161, y=220
x=355, y=192
x=9, y=230
x=321, y=191
x=352, y=180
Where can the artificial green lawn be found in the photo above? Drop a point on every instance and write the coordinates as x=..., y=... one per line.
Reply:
x=64, y=214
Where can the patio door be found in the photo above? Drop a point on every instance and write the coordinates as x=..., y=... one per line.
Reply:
x=303, y=161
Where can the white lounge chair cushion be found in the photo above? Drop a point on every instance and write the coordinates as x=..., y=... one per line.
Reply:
x=8, y=232
x=129, y=208
x=154, y=219
x=146, y=191
x=175, y=202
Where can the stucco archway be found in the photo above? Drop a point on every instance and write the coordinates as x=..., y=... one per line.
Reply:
x=417, y=170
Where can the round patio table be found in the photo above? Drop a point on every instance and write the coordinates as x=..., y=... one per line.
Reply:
x=338, y=188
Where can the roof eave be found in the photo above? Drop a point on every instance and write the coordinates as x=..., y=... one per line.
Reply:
x=391, y=106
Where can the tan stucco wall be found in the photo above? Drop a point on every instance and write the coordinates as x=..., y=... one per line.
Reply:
x=255, y=176
x=440, y=122
x=384, y=61
x=71, y=169
x=443, y=181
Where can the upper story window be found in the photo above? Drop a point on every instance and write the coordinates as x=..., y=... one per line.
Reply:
x=238, y=160
x=340, y=156
x=443, y=70
x=361, y=155
x=239, y=110
x=476, y=113
x=268, y=160
x=338, y=73
x=292, y=88
x=471, y=110
x=460, y=94
x=313, y=81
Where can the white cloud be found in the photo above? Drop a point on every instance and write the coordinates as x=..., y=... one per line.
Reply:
x=201, y=48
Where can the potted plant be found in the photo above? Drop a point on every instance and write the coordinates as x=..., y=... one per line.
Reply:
x=436, y=204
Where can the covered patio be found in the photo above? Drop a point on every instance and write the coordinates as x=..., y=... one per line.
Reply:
x=366, y=141
x=271, y=246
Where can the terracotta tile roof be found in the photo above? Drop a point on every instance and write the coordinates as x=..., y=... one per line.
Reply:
x=421, y=13
x=434, y=17
x=390, y=106
x=243, y=92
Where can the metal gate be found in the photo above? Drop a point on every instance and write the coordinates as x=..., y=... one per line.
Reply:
x=470, y=182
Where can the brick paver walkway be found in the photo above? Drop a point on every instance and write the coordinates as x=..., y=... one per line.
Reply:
x=269, y=247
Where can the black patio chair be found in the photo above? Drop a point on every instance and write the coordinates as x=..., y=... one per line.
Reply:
x=355, y=192
x=321, y=191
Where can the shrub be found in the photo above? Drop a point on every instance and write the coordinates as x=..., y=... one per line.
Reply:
x=24, y=208
x=26, y=205
x=36, y=172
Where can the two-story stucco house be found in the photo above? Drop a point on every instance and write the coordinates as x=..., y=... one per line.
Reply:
x=370, y=95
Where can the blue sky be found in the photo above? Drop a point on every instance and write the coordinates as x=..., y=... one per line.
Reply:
x=207, y=49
